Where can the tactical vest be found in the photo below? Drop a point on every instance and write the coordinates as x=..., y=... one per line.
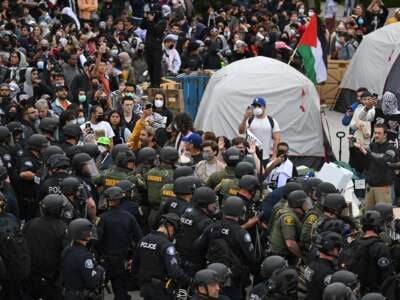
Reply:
x=155, y=179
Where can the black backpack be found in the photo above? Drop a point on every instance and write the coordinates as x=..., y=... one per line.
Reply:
x=220, y=252
x=359, y=259
x=15, y=253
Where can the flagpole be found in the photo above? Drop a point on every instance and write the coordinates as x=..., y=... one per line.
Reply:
x=292, y=56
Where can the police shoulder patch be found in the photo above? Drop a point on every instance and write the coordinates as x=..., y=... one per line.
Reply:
x=327, y=280
x=308, y=273
x=311, y=219
x=383, y=262
x=171, y=250
x=288, y=220
x=189, y=210
x=247, y=238
x=28, y=164
x=89, y=264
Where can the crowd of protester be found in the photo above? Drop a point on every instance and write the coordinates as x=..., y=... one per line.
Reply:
x=103, y=186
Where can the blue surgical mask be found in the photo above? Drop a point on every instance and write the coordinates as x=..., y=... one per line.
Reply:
x=82, y=98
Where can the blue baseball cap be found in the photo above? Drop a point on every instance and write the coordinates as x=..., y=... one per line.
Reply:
x=259, y=101
x=194, y=139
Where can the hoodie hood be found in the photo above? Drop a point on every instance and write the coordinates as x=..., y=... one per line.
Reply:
x=389, y=104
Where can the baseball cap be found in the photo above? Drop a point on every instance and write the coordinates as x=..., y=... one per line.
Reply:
x=194, y=139
x=103, y=141
x=259, y=101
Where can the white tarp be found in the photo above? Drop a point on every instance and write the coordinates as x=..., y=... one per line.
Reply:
x=231, y=90
x=373, y=60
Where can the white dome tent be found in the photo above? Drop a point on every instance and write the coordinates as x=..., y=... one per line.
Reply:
x=370, y=66
x=291, y=99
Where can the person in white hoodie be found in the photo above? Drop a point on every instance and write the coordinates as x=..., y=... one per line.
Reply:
x=171, y=58
x=360, y=124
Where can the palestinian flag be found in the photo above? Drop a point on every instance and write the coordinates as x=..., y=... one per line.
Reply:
x=309, y=47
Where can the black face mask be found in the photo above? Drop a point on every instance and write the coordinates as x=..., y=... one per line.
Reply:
x=171, y=47
x=99, y=118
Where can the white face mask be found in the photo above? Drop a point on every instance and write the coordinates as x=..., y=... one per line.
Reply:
x=80, y=120
x=158, y=103
x=258, y=111
x=301, y=10
x=310, y=13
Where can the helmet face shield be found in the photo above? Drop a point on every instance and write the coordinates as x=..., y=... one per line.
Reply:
x=90, y=168
x=307, y=205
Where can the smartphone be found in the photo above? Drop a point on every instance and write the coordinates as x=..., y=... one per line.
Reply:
x=88, y=125
x=148, y=106
x=352, y=141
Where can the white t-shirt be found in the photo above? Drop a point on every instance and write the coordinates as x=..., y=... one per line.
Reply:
x=280, y=175
x=100, y=129
x=261, y=128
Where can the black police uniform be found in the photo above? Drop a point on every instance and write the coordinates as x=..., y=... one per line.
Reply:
x=27, y=191
x=259, y=291
x=46, y=239
x=239, y=241
x=6, y=156
x=10, y=289
x=317, y=275
x=193, y=223
x=157, y=265
x=116, y=231
x=379, y=265
x=80, y=272
x=52, y=185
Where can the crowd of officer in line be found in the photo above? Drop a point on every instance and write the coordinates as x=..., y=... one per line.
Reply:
x=148, y=222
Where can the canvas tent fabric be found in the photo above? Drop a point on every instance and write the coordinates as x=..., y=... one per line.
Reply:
x=371, y=64
x=291, y=99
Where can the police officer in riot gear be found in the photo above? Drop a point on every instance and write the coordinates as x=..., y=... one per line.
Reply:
x=281, y=205
x=224, y=277
x=349, y=279
x=167, y=191
x=155, y=179
x=8, y=192
x=283, y=284
x=373, y=296
x=184, y=188
x=145, y=159
x=5, y=148
x=248, y=187
x=75, y=199
x=83, y=277
x=46, y=240
x=117, y=230
x=129, y=201
x=206, y=285
x=285, y=232
x=84, y=168
x=232, y=156
x=230, y=186
x=379, y=265
x=319, y=270
x=386, y=211
x=72, y=134
x=310, y=185
x=193, y=222
x=9, y=226
x=337, y=290
x=314, y=214
x=17, y=133
x=268, y=267
x=28, y=182
x=157, y=263
x=123, y=164
x=237, y=239
x=58, y=167
x=48, y=127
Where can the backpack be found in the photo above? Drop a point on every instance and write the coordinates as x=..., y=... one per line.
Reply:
x=15, y=253
x=220, y=252
x=358, y=258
